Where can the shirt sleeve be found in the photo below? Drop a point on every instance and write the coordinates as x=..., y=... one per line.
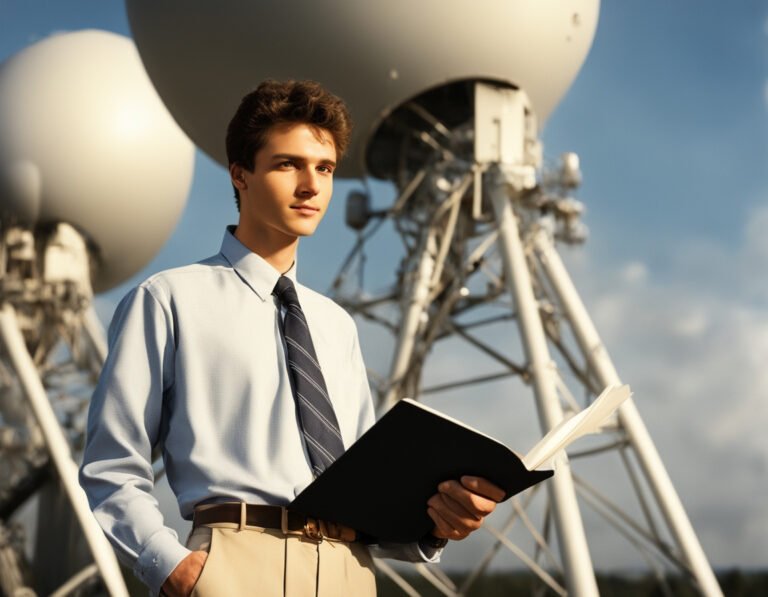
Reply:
x=408, y=552
x=125, y=420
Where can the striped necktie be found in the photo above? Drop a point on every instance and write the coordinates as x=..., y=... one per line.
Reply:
x=316, y=417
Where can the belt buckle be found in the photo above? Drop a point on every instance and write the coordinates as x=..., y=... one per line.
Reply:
x=312, y=530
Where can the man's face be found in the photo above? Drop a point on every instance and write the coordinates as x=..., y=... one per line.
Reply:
x=288, y=191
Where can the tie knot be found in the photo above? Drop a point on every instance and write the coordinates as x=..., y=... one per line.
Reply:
x=286, y=292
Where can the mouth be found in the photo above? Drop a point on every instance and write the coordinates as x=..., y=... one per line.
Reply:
x=305, y=209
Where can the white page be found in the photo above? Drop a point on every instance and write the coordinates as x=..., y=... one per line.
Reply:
x=587, y=421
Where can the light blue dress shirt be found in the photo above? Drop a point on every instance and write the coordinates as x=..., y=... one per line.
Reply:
x=196, y=366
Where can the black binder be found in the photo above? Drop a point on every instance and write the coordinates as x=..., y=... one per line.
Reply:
x=381, y=484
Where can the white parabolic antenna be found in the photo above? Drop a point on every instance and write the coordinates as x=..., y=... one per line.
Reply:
x=203, y=56
x=85, y=139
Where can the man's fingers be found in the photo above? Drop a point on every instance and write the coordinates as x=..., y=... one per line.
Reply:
x=447, y=526
x=442, y=529
x=475, y=504
x=460, y=522
x=483, y=487
x=443, y=501
x=460, y=507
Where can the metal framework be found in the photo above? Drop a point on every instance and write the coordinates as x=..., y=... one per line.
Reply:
x=478, y=219
x=52, y=348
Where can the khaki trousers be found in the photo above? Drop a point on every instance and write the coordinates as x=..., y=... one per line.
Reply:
x=252, y=561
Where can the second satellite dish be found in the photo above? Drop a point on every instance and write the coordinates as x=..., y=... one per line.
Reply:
x=85, y=139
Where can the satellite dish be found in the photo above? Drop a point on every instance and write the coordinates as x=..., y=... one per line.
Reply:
x=204, y=55
x=85, y=139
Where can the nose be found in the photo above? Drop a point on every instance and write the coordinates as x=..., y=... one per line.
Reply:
x=308, y=183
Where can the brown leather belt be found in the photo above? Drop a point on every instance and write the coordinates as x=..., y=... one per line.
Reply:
x=273, y=517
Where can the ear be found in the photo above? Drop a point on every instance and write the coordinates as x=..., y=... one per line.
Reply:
x=237, y=175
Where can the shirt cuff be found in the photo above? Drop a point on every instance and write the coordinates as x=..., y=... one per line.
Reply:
x=428, y=553
x=158, y=558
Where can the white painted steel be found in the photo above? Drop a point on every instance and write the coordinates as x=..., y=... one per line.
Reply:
x=30, y=382
x=650, y=461
x=415, y=301
x=85, y=139
x=203, y=55
x=574, y=550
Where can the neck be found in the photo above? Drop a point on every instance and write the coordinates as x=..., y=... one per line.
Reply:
x=277, y=249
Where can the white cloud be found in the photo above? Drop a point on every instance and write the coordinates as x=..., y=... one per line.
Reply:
x=692, y=324
x=634, y=273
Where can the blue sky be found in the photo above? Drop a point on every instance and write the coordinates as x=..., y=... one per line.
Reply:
x=670, y=118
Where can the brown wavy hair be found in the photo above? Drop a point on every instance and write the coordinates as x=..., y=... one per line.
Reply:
x=282, y=102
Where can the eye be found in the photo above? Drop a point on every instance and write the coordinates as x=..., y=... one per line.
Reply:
x=287, y=164
x=326, y=169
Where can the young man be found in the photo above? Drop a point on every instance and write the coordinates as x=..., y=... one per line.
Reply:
x=251, y=384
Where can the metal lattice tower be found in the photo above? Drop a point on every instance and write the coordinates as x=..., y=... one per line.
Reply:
x=52, y=348
x=478, y=220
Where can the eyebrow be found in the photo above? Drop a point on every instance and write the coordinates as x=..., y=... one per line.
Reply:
x=298, y=158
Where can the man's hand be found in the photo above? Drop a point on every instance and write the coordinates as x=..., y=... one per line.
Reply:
x=458, y=508
x=183, y=578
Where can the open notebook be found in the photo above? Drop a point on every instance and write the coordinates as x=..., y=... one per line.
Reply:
x=381, y=484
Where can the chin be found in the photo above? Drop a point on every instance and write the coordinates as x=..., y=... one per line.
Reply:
x=303, y=231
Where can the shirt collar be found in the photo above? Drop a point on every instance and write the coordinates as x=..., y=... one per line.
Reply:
x=251, y=267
